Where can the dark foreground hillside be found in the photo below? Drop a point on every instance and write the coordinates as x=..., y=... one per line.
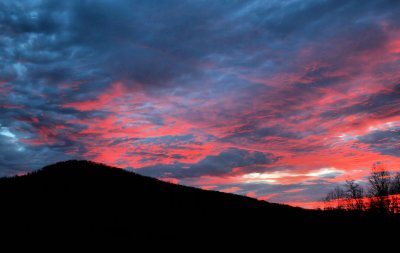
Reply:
x=86, y=199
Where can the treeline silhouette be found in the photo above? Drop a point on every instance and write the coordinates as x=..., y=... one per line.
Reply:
x=86, y=199
x=381, y=194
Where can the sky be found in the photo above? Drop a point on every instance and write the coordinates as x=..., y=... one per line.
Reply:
x=277, y=100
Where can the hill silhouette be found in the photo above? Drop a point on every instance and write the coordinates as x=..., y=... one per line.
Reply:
x=89, y=199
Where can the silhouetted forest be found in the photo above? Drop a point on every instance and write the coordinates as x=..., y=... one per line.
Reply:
x=82, y=198
x=381, y=195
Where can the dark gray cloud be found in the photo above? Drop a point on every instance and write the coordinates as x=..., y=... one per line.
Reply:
x=384, y=141
x=253, y=133
x=17, y=157
x=380, y=105
x=217, y=165
x=161, y=43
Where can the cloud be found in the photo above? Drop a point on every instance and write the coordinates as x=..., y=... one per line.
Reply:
x=202, y=90
x=384, y=141
x=17, y=157
x=217, y=165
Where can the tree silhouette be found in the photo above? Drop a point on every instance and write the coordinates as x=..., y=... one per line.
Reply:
x=382, y=193
x=354, y=196
x=379, y=189
x=395, y=192
x=395, y=186
x=335, y=199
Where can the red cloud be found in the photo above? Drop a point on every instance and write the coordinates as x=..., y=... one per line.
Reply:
x=310, y=115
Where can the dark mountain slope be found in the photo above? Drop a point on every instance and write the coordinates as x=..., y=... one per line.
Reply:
x=84, y=198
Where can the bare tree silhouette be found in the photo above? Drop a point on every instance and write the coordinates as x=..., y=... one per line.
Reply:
x=381, y=195
x=379, y=189
x=335, y=199
x=395, y=192
x=354, y=196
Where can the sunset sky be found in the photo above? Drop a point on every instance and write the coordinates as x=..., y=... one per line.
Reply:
x=278, y=100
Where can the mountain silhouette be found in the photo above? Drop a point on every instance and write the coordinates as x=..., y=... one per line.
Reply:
x=85, y=198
